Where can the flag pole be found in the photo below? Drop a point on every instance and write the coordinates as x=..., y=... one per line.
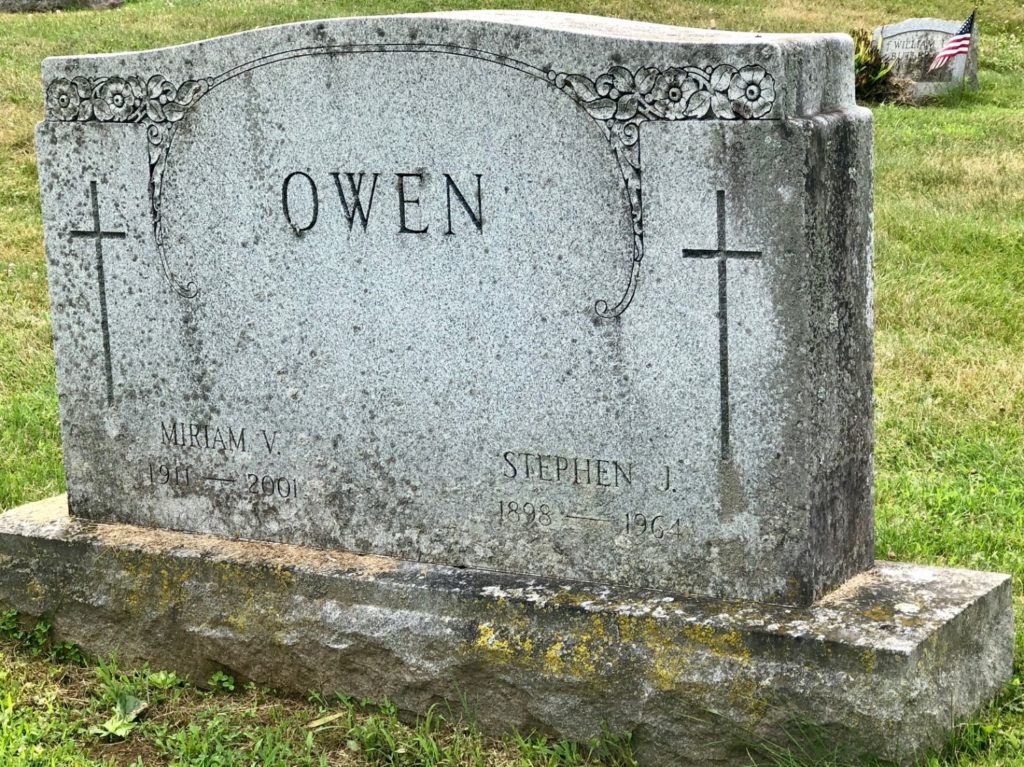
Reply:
x=963, y=76
x=967, y=56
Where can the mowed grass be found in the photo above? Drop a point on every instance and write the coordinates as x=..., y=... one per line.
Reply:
x=949, y=291
x=56, y=711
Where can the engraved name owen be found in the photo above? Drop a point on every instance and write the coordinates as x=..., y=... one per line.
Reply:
x=306, y=199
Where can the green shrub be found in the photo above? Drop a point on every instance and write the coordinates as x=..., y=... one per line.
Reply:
x=873, y=77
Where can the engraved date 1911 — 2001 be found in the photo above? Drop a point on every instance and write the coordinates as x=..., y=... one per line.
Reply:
x=261, y=484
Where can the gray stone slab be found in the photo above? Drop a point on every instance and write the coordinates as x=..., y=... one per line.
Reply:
x=879, y=668
x=529, y=359
x=30, y=6
x=911, y=47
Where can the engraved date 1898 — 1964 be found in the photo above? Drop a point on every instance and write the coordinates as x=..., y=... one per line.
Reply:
x=636, y=525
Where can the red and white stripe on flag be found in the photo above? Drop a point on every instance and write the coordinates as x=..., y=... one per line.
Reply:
x=957, y=45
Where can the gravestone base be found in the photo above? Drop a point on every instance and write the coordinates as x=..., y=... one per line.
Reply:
x=881, y=667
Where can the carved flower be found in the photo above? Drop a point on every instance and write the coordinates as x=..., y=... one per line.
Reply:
x=159, y=92
x=63, y=99
x=671, y=93
x=613, y=95
x=114, y=100
x=752, y=91
x=165, y=101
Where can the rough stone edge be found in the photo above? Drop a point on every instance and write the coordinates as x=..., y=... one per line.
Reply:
x=839, y=210
x=871, y=667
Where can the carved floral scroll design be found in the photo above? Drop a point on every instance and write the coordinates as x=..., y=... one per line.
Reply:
x=127, y=99
x=157, y=102
x=619, y=101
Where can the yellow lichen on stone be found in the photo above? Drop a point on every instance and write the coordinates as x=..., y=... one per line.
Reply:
x=575, y=655
x=744, y=695
x=236, y=622
x=668, y=662
x=164, y=589
x=600, y=646
x=139, y=572
x=729, y=645
x=879, y=612
x=673, y=651
x=567, y=598
x=553, y=663
x=626, y=627
x=229, y=573
x=720, y=643
x=488, y=641
x=172, y=591
x=869, y=660
x=511, y=638
x=583, y=659
x=239, y=585
x=36, y=590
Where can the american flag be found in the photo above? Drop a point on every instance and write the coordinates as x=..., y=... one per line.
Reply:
x=957, y=45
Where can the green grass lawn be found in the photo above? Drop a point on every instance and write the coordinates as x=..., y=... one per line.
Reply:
x=57, y=712
x=949, y=308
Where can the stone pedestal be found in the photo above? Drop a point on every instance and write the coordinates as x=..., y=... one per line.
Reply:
x=879, y=667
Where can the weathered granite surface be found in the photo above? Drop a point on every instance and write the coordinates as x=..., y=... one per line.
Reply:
x=911, y=46
x=27, y=6
x=604, y=313
x=879, y=668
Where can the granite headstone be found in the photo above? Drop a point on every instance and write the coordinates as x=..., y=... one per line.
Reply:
x=911, y=45
x=473, y=294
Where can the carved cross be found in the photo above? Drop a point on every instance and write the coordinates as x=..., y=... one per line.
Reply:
x=99, y=234
x=722, y=254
